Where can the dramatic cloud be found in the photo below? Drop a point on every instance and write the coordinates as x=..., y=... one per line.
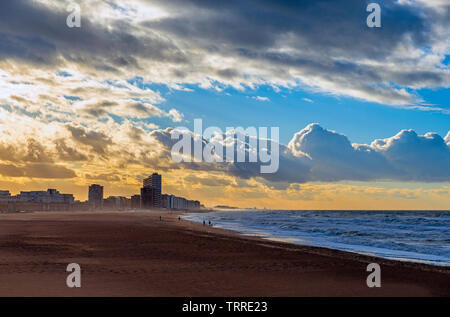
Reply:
x=323, y=45
x=318, y=154
x=405, y=156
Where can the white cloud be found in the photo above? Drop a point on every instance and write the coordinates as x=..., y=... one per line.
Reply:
x=259, y=98
x=175, y=115
x=318, y=154
x=405, y=156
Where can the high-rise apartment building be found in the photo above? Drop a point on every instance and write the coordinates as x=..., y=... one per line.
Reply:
x=96, y=196
x=147, y=197
x=154, y=181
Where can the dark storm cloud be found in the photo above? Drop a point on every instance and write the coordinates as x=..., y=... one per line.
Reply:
x=30, y=48
x=36, y=33
x=322, y=27
x=324, y=39
x=321, y=44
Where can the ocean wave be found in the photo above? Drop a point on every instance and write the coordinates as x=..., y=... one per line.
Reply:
x=419, y=236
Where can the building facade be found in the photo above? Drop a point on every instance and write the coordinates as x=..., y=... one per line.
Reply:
x=147, y=197
x=51, y=196
x=167, y=201
x=5, y=196
x=116, y=203
x=178, y=203
x=96, y=196
x=154, y=181
x=136, y=202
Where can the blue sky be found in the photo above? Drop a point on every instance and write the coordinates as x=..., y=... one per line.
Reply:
x=293, y=109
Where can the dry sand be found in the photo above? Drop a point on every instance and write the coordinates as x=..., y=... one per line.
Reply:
x=136, y=254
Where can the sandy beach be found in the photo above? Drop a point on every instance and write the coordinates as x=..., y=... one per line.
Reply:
x=137, y=254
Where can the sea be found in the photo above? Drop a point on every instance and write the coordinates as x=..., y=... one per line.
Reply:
x=414, y=236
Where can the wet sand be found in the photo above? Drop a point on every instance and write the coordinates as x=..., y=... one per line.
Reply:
x=136, y=254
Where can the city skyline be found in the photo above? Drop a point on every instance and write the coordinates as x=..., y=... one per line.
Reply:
x=150, y=197
x=6, y=193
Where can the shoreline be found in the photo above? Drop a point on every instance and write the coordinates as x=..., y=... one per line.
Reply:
x=136, y=254
x=366, y=258
x=282, y=240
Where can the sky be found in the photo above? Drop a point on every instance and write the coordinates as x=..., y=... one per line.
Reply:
x=363, y=113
